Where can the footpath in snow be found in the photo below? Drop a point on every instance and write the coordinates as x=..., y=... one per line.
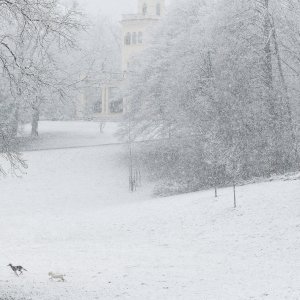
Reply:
x=72, y=213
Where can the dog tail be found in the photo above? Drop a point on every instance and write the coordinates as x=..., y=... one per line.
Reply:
x=25, y=269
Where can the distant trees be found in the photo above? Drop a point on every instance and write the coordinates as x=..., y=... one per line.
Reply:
x=221, y=90
x=98, y=61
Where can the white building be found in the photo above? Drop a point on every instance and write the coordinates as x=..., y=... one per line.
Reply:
x=110, y=104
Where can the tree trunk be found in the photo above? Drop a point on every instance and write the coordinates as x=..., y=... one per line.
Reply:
x=267, y=66
x=273, y=109
x=15, y=121
x=286, y=98
x=35, y=122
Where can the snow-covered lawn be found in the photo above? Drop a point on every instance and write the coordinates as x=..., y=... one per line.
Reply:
x=69, y=134
x=72, y=213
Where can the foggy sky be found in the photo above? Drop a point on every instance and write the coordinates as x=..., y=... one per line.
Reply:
x=112, y=8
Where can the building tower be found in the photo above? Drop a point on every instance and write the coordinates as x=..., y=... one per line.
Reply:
x=151, y=7
x=136, y=26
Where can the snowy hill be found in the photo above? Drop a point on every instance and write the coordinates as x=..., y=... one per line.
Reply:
x=72, y=213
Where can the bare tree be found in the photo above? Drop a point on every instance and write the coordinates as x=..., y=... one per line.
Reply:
x=31, y=32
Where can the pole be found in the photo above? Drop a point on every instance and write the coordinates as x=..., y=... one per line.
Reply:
x=131, y=179
x=234, y=194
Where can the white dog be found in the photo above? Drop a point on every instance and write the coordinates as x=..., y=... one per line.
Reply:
x=59, y=277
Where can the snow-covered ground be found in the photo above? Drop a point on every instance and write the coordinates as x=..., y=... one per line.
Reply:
x=69, y=134
x=72, y=213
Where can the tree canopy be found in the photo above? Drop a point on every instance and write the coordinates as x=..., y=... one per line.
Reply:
x=218, y=85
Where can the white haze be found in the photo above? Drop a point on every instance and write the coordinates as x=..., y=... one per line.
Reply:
x=112, y=8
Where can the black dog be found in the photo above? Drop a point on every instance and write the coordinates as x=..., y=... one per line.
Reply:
x=17, y=269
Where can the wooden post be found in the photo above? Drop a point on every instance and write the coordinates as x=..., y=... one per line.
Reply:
x=131, y=174
x=234, y=194
x=131, y=179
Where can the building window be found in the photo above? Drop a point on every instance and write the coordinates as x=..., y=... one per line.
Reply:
x=158, y=10
x=134, y=38
x=94, y=100
x=140, y=37
x=115, y=100
x=145, y=9
x=97, y=108
x=127, y=39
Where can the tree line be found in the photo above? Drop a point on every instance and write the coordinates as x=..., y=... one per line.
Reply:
x=218, y=89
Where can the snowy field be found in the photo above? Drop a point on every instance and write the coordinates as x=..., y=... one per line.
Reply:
x=69, y=134
x=72, y=213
